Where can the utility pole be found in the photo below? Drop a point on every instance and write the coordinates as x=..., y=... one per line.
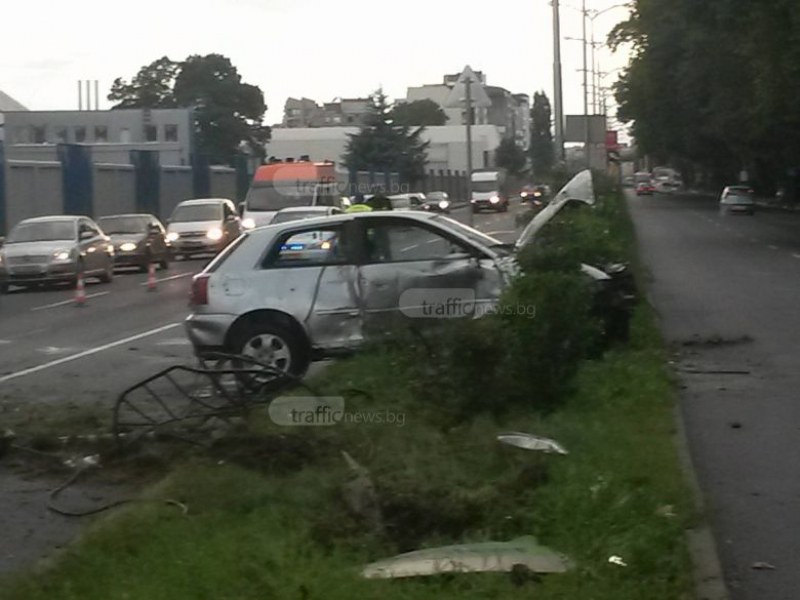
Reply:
x=468, y=97
x=558, y=97
x=595, y=77
x=586, y=133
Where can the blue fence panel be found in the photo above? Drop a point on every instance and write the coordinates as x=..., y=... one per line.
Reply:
x=77, y=173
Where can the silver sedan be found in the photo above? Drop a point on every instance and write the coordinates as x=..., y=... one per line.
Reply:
x=55, y=250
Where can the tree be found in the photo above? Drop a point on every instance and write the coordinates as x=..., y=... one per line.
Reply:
x=150, y=88
x=227, y=111
x=419, y=113
x=383, y=146
x=541, y=149
x=511, y=157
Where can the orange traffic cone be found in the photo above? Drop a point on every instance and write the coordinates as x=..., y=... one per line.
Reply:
x=80, y=291
x=151, y=277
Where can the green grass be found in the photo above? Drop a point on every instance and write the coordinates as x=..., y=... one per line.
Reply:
x=267, y=516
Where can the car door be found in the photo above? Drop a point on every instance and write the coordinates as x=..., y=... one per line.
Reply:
x=310, y=273
x=411, y=272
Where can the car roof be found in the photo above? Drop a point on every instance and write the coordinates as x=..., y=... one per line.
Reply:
x=294, y=209
x=143, y=215
x=52, y=218
x=204, y=201
x=415, y=215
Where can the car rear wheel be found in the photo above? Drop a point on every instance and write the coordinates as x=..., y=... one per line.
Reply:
x=272, y=344
x=108, y=275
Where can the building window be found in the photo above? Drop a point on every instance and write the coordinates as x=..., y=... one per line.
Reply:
x=100, y=134
x=62, y=137
x=80, y=135
x=171, y=133
x=150, y=133
x=125, y=135
x=39, y=134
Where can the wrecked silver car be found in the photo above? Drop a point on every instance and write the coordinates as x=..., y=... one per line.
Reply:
x=294, y=292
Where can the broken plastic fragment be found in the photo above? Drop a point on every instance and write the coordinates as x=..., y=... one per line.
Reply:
x=617, y=560
x=471, y=558
x=531, y=442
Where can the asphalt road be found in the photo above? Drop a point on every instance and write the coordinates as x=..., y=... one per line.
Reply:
x=727, y=291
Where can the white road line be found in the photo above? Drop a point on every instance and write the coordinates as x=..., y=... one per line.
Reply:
x=70, y=301
x=407, y=248
x=773, y=247
x=85, y=353
x=500, y=232
x=169, y=278
x=51, y=350
x=5, y=342
x=793, y=256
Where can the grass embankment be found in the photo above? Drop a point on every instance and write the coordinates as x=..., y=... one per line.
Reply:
x=272, y=512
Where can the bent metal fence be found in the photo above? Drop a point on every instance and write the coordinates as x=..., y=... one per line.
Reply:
x=180, y=401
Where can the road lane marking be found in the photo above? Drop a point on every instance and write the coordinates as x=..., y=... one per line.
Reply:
x=85, y=353
x=773, y=247
x=793, y=255
x=51, y=350
x=172, y=277
x=4, y=342
x=175, y=342
x=70, y=301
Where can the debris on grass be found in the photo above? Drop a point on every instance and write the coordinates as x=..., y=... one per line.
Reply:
x=531, y=442
x=524, y=552
x=617, y=560
x=360, y=496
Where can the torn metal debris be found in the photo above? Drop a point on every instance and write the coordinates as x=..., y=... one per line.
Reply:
x=471, y=558
x=528, y=441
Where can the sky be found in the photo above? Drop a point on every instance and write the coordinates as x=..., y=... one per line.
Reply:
x=313, y=48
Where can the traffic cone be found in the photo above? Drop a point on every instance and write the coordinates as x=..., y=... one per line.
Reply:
x=151, y=277
x=80, y=291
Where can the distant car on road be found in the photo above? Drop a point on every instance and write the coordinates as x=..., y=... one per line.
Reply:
x=436, y=202
x=138, y=240
x=203, y=226
x=737, y=198
x=55, y=249
x=645, y=189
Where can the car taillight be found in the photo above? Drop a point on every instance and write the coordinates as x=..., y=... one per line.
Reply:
x=199, y=291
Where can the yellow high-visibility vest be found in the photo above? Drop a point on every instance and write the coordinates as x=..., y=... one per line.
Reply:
x=358, y=208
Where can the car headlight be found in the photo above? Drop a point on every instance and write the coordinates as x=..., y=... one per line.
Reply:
x=61, y=255
x=172, y=236
x=128, y=247
x=248, y=223
x=495, y=199
x=215, y=233
x=444, y=204
x=524, y=194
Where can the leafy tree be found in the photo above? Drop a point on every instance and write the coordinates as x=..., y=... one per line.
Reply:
x=227, y=111
x=150, y=88
x=383, y=146
x=419, y=113
x=511, y=157
x=712, y=85
x=542, y=150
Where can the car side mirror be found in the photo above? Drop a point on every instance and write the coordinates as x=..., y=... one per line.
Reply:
x=86, y=235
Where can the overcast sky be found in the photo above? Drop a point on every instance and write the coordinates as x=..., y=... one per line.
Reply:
x=314, y=48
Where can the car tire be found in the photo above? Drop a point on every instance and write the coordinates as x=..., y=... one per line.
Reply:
x=164, y=263
x=272, y=343
x=108, y=275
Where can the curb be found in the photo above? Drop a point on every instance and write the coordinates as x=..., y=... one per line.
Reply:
x=709, y=581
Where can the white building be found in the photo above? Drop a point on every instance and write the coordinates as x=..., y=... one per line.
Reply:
x=7, y=104
x=447, y=150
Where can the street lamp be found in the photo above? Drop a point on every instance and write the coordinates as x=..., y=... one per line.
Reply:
x=558, y=96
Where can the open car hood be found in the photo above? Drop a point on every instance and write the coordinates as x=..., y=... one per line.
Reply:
x=579, y=189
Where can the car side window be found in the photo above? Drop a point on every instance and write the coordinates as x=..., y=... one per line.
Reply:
x=86, y=226
x=306, y=248
x=407, y=242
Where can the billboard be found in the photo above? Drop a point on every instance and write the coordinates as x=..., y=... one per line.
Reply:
x=575, y=129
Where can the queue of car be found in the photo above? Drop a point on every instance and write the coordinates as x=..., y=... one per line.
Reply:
x=58, y=250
